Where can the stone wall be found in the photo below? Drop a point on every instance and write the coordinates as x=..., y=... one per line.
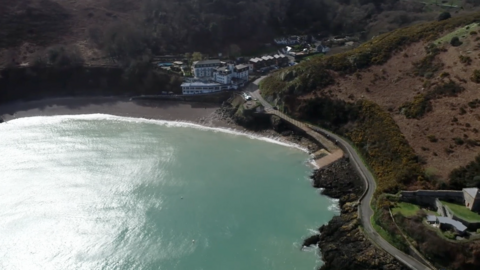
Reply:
x=427, y=198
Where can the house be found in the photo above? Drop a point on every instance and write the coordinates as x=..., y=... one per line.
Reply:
x=204, y=68
x=213, y=76
x=256, y=63
x=268, y=60
x=201, y=87
x=445, y=223
x=472, y=199
x=280, y=60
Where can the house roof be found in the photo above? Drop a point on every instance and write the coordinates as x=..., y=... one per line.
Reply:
x=208, y=62
x=431, y=218
x=471, y=191
x=456, y=224
x=256, y=59
x=241, y=66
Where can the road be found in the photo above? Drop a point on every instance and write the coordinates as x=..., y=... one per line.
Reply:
x=365, y=209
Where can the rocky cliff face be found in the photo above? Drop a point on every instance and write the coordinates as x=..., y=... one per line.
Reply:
x=342, y=244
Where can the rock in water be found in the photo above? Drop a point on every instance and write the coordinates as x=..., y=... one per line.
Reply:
x=312, y=240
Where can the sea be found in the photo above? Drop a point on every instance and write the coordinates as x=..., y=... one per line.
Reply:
x=106, y=192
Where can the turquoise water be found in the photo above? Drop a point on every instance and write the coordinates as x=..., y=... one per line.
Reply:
x=104, y=192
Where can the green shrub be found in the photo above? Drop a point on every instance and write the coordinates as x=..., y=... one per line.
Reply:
x=432, y=138
x=444, y=16
x=465, y=60
x=447, y=89
x=474, y=103
x=385, y=149
x=458, y=141
x=427, y=66
x=466, y=176
x=455, y=42
x=475, y=76
x=417, y=108
x=449, y=235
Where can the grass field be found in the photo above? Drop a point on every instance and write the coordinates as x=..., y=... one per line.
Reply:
x=460, y=33
x=406, y=209
x=463, y=212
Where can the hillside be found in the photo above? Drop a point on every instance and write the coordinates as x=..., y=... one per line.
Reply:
x=96, y=28
x=444, y=135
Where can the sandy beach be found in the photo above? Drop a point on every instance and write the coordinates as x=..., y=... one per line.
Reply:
x=201, y=113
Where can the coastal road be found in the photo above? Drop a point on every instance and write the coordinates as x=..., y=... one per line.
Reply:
x=365, y=209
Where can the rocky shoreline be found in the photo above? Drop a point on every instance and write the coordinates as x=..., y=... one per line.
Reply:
x=342, y=244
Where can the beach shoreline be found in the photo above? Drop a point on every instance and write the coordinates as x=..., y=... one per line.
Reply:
x=199, y=113
x=118, y=106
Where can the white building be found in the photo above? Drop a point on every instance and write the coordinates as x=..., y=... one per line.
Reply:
x=201, y=87
x=203, y=69
x=213, y=75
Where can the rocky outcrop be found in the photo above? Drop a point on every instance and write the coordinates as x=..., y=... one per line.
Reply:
x=342, y=244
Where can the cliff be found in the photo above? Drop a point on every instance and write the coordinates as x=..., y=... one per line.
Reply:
x=342, y=243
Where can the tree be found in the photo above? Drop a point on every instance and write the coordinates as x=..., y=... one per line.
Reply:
x=196, y=56
x=455, y=42
x=444, y=16
x=234, y=50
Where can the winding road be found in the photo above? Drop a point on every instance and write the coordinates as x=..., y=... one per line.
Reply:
x=365, y=209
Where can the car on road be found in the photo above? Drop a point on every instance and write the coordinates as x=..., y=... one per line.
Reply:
x=246, y=96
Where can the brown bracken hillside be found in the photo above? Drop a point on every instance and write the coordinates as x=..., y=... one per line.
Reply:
x=446, y=135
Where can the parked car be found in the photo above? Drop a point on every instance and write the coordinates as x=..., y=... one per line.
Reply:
x=246, y=96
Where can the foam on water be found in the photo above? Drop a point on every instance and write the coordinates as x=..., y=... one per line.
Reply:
x=35, y=120
x=334, y=207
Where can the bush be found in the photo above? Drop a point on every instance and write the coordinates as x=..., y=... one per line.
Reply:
x=475, y=76
x=455, y=42
x=474, y=103
x=458, y=141
x=465, y=60
x=59, y=56
x=444, y=16
x=386, y=150
x=449, y=235
x=432, y=138
x=466, y=176
x=417, y=108
x=426, y=67
x=125, y=42
x=447, y=89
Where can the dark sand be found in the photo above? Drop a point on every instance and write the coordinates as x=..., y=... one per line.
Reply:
x=201, y=113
